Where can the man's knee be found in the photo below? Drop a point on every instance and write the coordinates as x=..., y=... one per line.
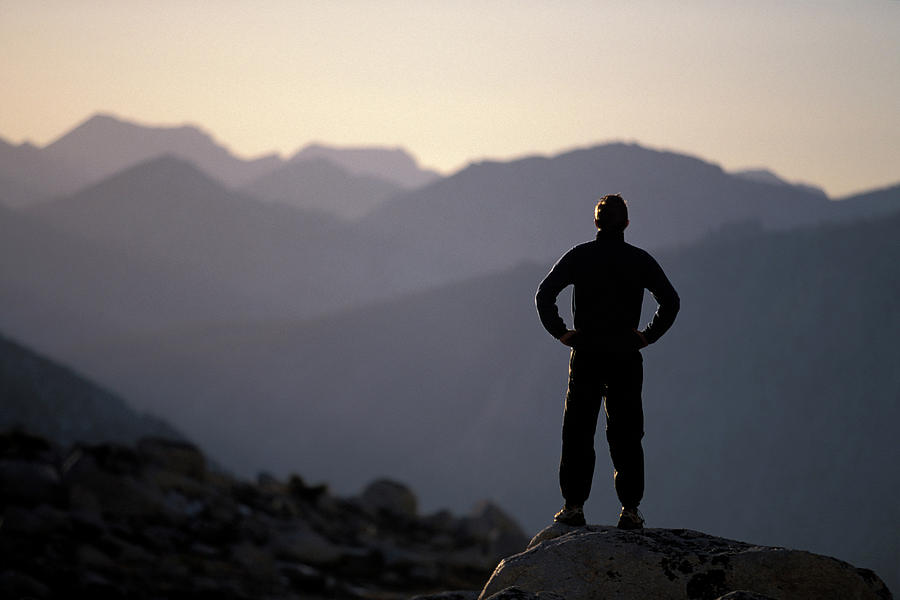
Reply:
x=625, y=438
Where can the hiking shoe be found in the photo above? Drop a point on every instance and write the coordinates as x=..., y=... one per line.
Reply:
x=570, y=515
x=630, y=518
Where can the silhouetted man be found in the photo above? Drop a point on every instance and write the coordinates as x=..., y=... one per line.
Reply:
x=609, y=279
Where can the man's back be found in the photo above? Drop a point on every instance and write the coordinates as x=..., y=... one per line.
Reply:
x=609, y=278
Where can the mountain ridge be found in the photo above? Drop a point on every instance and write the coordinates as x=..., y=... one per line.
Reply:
x=395, y=164
x=104, y=144
x=529, y=208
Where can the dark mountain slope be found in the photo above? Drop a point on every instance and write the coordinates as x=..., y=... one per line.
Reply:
x=770, y=405
x=321, y=185
x=43, y=397
x=871, y=204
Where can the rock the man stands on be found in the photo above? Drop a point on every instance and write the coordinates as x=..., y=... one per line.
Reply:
x=609, y=277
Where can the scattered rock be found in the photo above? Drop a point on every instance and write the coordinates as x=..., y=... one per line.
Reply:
x=302, y=544
x=174, y=456
x=157, y=521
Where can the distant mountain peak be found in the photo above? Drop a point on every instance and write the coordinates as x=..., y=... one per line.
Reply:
x=164, y=175
x=318, y=183
x=394, y=164
x=108, y=126
x=104, y=144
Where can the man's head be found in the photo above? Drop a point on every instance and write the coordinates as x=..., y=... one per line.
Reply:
x=611, y=214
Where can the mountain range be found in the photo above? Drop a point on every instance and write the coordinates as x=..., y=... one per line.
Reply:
x=104, y=144
x=197, y=248
x=393, y=332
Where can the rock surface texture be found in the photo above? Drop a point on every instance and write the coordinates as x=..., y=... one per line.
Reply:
x=597, y=562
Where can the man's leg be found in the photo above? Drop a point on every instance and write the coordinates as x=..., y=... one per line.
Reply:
x=583, y=399
x=625, y=427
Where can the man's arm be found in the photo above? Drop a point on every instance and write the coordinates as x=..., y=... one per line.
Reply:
x=545, y=300
x=667, y=299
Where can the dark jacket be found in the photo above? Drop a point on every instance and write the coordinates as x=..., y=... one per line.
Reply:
x=609, y=277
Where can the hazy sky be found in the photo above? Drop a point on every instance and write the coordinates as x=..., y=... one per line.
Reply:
x=810, y=89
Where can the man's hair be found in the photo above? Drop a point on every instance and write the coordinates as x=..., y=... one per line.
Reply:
x=611, y=213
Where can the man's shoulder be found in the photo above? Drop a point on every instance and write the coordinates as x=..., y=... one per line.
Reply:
x=592, y=245
x=589, y=247
x=578, y=249
x=638, y=251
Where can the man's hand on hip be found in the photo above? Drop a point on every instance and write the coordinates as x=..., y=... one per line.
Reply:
x=569, y=337
x=643, y=343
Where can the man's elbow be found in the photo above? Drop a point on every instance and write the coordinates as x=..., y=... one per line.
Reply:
x=676, y=303
x=543, y=297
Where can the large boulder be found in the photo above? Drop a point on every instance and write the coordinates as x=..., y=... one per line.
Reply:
x=389, y=497
x=490, y=523
x=597, y=562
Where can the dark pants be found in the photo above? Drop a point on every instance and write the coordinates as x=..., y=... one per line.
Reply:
x=616, y=378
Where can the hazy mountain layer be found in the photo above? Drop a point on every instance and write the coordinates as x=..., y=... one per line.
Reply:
x=770, y=405
x=284, y=261
x=391, y=164
x=319, y=184
x=57, y=291
x=27, y=175
x=43, y=397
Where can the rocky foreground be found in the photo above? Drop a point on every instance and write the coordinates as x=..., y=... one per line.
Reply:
x=155, y=521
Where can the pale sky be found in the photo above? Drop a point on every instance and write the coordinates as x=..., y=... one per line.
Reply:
x=809, y=89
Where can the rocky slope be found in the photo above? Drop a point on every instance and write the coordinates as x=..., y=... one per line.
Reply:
x=153, y=521
x=46, y=398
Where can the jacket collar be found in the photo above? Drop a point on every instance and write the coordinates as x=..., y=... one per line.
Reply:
x=611, y=236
